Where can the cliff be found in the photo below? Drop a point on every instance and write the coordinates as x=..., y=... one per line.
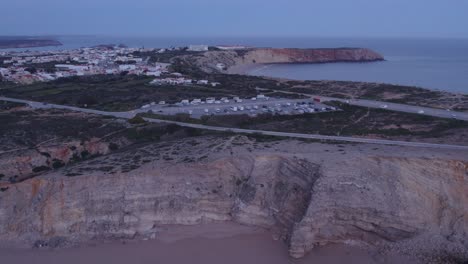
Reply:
x=27, y=43
x=233, y=60
x=364, y=195
x=310, y=55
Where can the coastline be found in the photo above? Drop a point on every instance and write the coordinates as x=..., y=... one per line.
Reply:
x=208, y=243
x=246, y=69
x=33, y=43
x=249, y=68
x=253, y=69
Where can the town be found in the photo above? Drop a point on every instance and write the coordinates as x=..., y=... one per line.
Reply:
x=26, y=67
x=32, y=66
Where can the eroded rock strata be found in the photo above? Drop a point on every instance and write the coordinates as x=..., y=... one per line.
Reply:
x=210, y=61
x=310, y=194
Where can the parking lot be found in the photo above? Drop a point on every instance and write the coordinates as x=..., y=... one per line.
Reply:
x=250, y=107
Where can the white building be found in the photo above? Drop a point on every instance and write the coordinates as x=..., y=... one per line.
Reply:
x=72, y=67
x=198, y=48
x=220, y=66
x=153, y=73
x=231, y=47
x=127, y=67
x=111, y=71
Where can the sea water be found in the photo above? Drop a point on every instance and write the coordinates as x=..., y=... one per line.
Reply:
x=440, y=64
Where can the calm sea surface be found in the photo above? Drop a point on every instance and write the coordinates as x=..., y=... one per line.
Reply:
x=430, y=63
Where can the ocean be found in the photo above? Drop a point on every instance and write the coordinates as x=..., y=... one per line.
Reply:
x=439, y=64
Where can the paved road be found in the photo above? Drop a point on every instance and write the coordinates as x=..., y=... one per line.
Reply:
x=246, y=131
x=393, y=106
x=407, y=108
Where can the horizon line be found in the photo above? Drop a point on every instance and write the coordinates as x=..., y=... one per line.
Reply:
x=233, y=36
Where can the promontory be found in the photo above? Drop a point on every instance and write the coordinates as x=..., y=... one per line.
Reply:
x=236, y=61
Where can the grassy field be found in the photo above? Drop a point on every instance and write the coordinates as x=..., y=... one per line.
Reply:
x=122, y=93
x=9, y=105
x=380, y=92
x=114, y=93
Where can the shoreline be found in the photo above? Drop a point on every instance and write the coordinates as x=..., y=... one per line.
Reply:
x=247, y=68
x=251, y=69
x=206, y=243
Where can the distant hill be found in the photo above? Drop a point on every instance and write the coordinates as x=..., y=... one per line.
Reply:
x=7, y=42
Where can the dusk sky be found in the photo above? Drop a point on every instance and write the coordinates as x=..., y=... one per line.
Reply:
x=339, y=18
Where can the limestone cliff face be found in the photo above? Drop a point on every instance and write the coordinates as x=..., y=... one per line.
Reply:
x=385, y=199
x=308, y=199
x=232, y=59
x=265, y=191
x=310, y=55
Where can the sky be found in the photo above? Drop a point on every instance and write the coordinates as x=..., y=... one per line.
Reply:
x=186, y=18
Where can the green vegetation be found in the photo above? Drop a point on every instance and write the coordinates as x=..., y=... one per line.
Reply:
x=57, y=164
x=40, y=169
x=118, y=93
x=136, y=120
x=151, y=132
x=123, y=93
x=4, y=105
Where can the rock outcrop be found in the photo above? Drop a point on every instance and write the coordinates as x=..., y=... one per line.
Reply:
x=385, y=199
x=266, y=56
x=23, y=163
x=359, y=196
x=211, y=61
x=264, y=191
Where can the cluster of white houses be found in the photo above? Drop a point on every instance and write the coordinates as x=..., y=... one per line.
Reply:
x=33, y=66
x=182, y=81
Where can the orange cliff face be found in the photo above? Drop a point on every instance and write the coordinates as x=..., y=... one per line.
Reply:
x=311, y=55
x=233, y=61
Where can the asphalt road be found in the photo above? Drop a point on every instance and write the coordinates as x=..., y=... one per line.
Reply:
x=246, y=131
x=408, y=109
x=393, y=106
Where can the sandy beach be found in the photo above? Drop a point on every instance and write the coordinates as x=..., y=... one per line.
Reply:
x=211, y=243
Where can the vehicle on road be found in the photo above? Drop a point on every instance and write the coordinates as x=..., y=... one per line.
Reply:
x=421, y=112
